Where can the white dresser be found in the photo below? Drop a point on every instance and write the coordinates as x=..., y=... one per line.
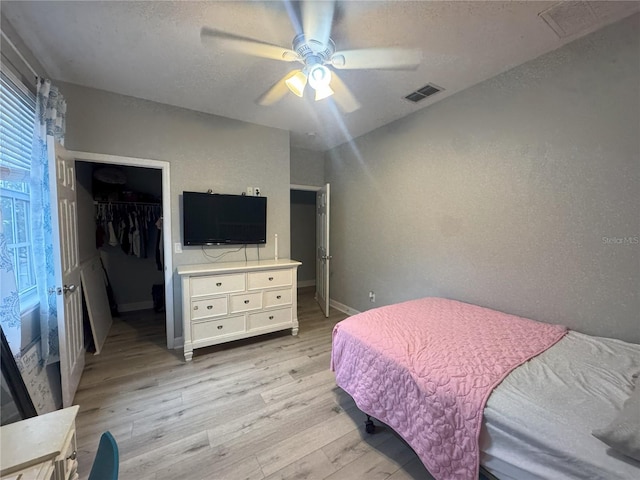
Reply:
x=40, y=448
x=228, y=301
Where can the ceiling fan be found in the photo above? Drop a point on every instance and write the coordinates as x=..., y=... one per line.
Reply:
x=316, y=51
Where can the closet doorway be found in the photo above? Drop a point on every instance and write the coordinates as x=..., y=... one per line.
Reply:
x=303, y=232
x=124, y=217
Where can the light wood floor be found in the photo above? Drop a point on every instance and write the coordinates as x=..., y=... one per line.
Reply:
x=265, y=408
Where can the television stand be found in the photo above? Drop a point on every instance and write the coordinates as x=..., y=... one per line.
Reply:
x=229, y=301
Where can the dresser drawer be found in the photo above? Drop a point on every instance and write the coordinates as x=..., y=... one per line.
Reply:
x=44, y=471
x=266, y=319
x=217, y=328
x=210, y=307
x=273, y=278
x=245, y=302
x=274, y=298
x=216, y=284
x=67, y=466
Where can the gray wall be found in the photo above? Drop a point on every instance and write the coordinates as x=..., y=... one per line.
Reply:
x=520, y=194
x=303, y=235
x=204, y=151
x=307, y=167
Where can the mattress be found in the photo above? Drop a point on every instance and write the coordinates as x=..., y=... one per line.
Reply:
x=538, y=421
x=426, y=367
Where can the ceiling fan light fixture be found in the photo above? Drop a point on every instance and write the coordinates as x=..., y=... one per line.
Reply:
x=338, y=60
x=323, y=91
x=319, y=76
x=297, y=83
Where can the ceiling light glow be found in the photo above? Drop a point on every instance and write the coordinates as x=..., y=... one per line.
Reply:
x=297, y=83
x=319, y=76
x=323, y=91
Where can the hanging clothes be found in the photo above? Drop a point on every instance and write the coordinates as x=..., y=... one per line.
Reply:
x=131, y=225
x=135, y=237
x=113, y=239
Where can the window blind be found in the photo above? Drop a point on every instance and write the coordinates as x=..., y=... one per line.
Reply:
x=17, y=116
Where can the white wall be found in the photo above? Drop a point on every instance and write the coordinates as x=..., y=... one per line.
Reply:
x=205, y=152
x=505, y=194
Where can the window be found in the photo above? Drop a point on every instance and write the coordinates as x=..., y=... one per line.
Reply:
x=17, y=117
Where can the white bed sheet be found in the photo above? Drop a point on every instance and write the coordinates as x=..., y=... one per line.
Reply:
x=538, y=422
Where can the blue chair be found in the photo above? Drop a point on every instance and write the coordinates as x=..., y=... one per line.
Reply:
x=105, y=465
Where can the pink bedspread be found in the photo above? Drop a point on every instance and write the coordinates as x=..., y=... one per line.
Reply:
x=426, y=368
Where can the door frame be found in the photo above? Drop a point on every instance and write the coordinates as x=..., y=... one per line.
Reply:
x=164, y=166
x=306, y=188
x=316, y=189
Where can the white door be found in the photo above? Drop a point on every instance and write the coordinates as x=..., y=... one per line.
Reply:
x=323, y=257
x=62, y=179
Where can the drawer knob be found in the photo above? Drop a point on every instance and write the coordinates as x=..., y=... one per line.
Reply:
x=279, y=297
x=219, y=284
x=73, y=455
x=270, y=279
x=246, y=301
x=209, y=307
x=219, y=327
x=195, y=308
x=270, y=317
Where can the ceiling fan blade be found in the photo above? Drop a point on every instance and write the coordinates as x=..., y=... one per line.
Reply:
x=247, y=45
x=381, y=58
x=317, y=18
x=277, y=91
x=342, y=95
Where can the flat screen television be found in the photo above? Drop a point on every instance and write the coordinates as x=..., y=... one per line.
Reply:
x=217, y=219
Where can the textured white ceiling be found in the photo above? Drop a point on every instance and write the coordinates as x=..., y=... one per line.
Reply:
x=152, y=50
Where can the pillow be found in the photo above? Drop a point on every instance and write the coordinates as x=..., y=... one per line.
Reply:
x=623, y=433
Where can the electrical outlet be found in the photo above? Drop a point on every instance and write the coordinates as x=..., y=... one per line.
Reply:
x=372, y=296
x=177, y=247
x=256, y=190
x=250, y=191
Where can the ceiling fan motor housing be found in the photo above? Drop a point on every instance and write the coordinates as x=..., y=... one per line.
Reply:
x=312, y=51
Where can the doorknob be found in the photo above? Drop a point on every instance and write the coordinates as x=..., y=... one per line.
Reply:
x=66, y=289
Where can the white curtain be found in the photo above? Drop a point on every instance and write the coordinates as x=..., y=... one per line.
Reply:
x=9, y=299
x=49, y=127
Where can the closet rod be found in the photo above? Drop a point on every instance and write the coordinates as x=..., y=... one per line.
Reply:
x=126, y=202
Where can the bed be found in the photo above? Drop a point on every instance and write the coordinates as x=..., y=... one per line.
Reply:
x=466, y=385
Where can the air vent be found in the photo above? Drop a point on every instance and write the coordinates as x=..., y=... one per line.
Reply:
x=424, y=92
x=578, y=17
x=569, y=18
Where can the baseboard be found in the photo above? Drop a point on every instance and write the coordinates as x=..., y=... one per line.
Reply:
x=133, y=307
x=342, y=307
x=306, y=283
x=178, y=343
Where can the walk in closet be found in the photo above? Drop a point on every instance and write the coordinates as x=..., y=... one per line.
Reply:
x=120, y=221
